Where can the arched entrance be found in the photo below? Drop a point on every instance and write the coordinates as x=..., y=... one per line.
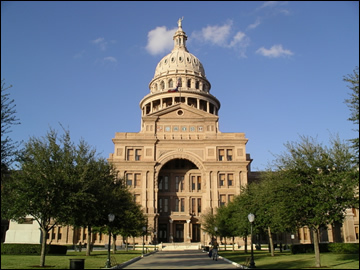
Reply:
x=179, y=201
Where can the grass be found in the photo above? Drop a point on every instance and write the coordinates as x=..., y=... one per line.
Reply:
x=286, y=260
x=263, y=260
x=97, y=260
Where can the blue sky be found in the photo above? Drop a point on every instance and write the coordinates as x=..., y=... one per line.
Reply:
x=276, y=67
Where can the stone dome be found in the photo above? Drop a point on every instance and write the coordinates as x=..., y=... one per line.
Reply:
x=179, y=61
x=179, y=68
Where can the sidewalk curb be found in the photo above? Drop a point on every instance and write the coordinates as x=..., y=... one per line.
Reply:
x=120, y=266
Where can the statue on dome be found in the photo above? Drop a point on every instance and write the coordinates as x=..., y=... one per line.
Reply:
x=179, y=21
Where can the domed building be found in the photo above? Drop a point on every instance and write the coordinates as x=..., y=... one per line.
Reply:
x=180, y=165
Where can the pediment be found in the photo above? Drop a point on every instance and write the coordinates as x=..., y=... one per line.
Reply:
x=182, y=110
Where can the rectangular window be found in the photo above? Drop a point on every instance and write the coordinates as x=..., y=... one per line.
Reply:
x=221, y=154
x=166, y=205
x=59, y=233
x=130, y=154
x=166, y=182
x=181, y=183
x=221, y=180
x=229, y=154
x=222, y=200
x=129, y=179
x=193, y=183
x=193, y=205
x=182, y=207
x=199, y=205
x=230, y=179
x=176, y=183
x=199, y=183
x=176, y=205
x=138, y=153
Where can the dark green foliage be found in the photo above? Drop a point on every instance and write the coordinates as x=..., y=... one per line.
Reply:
x=340, y=248
x=31, y=249
x=344, y=248
x=353, y=104
x=8, y=119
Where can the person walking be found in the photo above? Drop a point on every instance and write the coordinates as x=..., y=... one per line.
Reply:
x=215, y=250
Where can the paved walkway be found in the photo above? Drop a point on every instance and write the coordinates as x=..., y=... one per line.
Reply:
x=187, y=259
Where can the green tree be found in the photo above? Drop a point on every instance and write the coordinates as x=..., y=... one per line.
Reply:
x=326, y=181
x=271, y=199
x=353, y=104
x=43, y=185
x=8, y=119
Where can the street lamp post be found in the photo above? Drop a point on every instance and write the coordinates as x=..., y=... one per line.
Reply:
x=251, y=218
x=215, y=228
x=111, y=218
x=144, y=229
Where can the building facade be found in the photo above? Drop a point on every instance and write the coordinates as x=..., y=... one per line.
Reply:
x=180, y=165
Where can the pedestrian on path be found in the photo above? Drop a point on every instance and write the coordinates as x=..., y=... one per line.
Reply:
x=215, y=248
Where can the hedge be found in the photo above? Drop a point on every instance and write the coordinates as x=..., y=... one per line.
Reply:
x=31, y=249
x=344, y=248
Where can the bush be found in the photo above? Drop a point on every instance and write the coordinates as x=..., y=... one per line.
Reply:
x=348, y=248
x=31, y=249
x=344, y=248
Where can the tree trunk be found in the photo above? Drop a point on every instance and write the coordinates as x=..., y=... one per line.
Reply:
x=133, y=243
x=316, y=247
x=245, y=241
x=233, y=243
x=271, y=243
x=88, y=241
x=43, y=246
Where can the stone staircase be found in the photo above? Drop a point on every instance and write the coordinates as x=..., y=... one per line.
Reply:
x=180, y=246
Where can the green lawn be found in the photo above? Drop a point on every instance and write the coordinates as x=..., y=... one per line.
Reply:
x=286, y=260
x=263, y=260
x=97, y=260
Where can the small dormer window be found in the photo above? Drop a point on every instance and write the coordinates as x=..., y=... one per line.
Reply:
x=197, y=85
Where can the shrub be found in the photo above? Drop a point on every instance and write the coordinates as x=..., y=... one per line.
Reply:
x=348, y=248
x=31, y=249
x=344, y=248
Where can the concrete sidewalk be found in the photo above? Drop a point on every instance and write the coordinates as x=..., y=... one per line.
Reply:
x=184, y=259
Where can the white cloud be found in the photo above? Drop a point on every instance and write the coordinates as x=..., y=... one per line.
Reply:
x=110, y=59
x=255, y=24
x=217, y=35
x=160, y=40
x=274, y=52
x=101, y=43
x=221, y=36
x=275, y=7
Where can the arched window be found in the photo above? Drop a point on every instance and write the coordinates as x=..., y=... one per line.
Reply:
x=179, y=81
x=171, y=83
x=162, y=85
x=188, y=83
x=155, y=86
